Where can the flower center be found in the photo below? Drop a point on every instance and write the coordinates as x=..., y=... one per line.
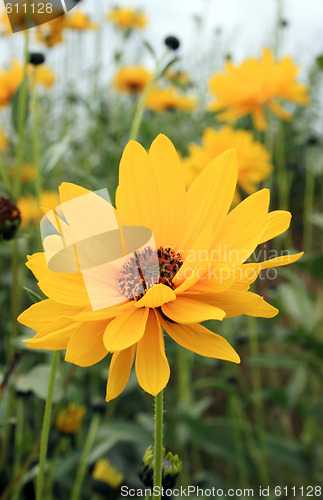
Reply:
x=142, y=271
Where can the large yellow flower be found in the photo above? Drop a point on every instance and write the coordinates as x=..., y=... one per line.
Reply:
x=132, y=79
x=253, y=159
x=256, y=83
x=127, y=18
x=201, y=250
x=168, y=99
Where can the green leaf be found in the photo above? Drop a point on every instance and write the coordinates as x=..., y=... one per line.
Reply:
x=273, y=361
x=35, y=297
x=36, y=381
x=168, y=65
x=296, y=386
x=20, y=109
x=54, y=154
x=319, y=62
x=149, y=48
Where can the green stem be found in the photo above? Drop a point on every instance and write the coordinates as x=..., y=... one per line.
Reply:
x=135, y=127
x=21, y=115
x=19, y=438
x=308, y=203
x=36, y=150
x=84, y=458
x=5, y=177
x=46, y=426
x=158, y=449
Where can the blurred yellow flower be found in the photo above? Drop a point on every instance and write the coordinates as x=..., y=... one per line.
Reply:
x=51, y=33
x=254, y=163
x=127, y=18
x=28, y=173
x=3, y=141
x=30, y=210
x=167, y=99
x=132, y=79
x=10, y=79
x=79, y=21
x=69, y=421
x=203, y=274
x=256, y=83
x=106, y=473
x=41, y=75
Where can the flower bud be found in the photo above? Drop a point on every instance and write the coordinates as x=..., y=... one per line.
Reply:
x=172, y=42
x=10, y=219
x=36, y=58
x=172, y=466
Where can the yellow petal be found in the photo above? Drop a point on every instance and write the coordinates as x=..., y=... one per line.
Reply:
x=283, y=260
x=258, y=118
x=279, y=110
x=242, y=229
x=170, y=176
x=156, y=296
x=86, y=347
x=198, y=252
x=68, y=191
x=190, y=308
x=234, y=302
x=210, y=196
x=137, y=196
x=66, y=290
x=199, y=339
x=278, y=222
x=152, y=367
x=119, y=372
x=53, y=341
x=41, y=313
x=126, y=329
x=264, y=310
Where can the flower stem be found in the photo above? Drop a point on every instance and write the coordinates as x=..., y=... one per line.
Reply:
x=84, y=458
x=46, y=425
x=135, y=127
x=158, y=449
x=21, y=126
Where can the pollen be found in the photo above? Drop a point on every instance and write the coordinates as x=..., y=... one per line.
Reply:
x=145, y=269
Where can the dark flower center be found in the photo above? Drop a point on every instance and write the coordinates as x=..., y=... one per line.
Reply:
x=145, y=269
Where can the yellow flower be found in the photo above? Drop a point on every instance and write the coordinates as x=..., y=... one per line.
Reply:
x=3, y=141
x=69, y=421
x=51, y=33
x=41, y=75
x=202, y=252
x=167, y=99
x=30, y=209
x=253, y=159
x=256, y=83
x=10, y=80
x=28, y=173
x=131, y=79
x=79, y=21
x=106, y=473
x=127, y=18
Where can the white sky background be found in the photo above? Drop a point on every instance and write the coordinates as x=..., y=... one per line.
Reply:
x=247, y=26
